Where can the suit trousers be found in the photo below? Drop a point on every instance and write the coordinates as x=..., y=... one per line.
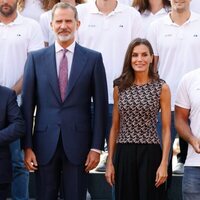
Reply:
x=181, y=157
x=49, y=177
x=4, y=190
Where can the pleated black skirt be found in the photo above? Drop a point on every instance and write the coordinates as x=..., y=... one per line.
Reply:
x=135, y=172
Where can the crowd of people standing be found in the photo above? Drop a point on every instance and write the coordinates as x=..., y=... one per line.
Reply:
x=89, y=72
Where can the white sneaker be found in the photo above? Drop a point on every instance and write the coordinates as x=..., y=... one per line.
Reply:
x=179, y=168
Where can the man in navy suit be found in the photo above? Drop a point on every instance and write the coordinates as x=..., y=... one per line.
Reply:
x=11, y=128
x=65, y=139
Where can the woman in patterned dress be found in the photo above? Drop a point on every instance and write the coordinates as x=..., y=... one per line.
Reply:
x=140, y=166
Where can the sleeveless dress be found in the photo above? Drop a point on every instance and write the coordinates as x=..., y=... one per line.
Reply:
x=138, y=152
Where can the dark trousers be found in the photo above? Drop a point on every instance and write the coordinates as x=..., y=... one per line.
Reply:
x=48, y=178
x=181, y=157
x=4, y=190
x=135, y=172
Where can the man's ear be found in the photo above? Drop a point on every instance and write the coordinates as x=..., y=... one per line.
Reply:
x=78, y=23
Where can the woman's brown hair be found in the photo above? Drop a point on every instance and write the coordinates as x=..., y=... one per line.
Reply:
x=143, y=5
x=46, y=4
x=128, y=75
x=21, y=5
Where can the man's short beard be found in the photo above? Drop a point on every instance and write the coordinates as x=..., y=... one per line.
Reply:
x=9, y=12
x=64, y=38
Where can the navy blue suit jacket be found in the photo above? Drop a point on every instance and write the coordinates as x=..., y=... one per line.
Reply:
x=71, y=118
x=11, y=128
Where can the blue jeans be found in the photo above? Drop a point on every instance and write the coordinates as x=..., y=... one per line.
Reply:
x=20, y=182
x=191, y=183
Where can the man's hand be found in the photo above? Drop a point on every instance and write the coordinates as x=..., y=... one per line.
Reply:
x=92, y=161
x=30, y=160
x=18, y=86
x=195, y=142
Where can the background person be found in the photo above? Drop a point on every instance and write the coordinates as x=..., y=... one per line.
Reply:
x=11, y=129
x=33, y=8
x=46, y=18
x=151, y=10
x=181, y=156
x=175, y=40
x=187, y=117
x=108, y=27
x=18, y=36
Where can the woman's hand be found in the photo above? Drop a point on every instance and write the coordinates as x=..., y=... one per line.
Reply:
x=161, y=175
x=110, y=173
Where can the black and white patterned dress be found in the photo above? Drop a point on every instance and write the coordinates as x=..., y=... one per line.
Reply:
x=138, y=108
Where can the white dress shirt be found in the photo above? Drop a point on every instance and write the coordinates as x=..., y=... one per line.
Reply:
x=69, y=55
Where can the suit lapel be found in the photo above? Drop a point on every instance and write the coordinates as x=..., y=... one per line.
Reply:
x=52, y=72
x=78, y=63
